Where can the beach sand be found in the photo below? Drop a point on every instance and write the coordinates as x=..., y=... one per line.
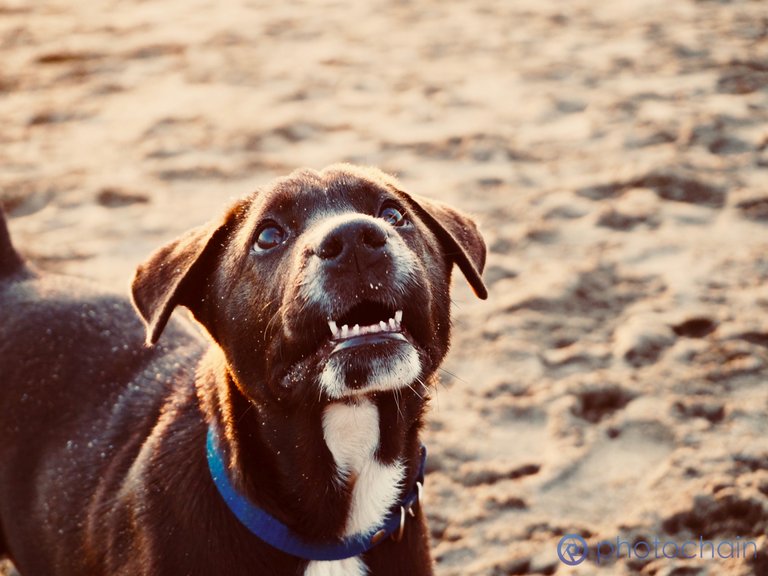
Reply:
x=615, y=383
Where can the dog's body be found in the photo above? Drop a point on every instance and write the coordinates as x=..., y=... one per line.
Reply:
x=103, y=439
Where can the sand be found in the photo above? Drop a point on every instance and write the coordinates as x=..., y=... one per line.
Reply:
x=615, y=384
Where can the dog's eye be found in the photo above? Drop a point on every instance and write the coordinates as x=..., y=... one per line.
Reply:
x=392, y=214
x=269, y=236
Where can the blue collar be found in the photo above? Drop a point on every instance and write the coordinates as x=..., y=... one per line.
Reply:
x=270, y=530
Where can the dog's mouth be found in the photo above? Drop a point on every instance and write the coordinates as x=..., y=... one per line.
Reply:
x=368, y=346
x=366, y=323
x=369, y=350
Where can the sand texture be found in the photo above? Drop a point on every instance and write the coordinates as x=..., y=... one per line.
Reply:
x=615, y=152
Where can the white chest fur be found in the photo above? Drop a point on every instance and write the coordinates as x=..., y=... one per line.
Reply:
x=351, y=432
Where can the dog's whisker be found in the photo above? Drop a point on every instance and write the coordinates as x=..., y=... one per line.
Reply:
x=427, y=389
x=397, y=403
x=412, y=389
x=245, y=412
x=454, y=376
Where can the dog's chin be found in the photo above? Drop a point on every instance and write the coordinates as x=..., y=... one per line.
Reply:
x=369, y=365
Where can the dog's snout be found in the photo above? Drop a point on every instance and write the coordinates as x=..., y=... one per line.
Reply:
x=362, y=239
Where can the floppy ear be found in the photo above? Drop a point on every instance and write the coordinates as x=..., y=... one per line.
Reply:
x=458, y=235
x=175, y=274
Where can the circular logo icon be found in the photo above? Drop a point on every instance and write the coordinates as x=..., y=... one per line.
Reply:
x=572, y=549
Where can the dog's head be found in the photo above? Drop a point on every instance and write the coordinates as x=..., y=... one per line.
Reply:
x=332, y=284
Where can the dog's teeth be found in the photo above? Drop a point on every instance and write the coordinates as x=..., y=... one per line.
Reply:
x=392, y=325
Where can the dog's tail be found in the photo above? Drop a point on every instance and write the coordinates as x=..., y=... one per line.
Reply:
x=10, y=261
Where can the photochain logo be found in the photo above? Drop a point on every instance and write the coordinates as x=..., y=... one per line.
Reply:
x=573, y=549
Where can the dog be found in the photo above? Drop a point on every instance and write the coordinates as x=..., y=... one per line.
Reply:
x=282, y=440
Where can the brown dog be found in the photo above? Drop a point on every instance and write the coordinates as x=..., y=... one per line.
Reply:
x=288, y=444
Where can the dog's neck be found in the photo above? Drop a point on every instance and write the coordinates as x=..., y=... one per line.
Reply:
x=324, y=470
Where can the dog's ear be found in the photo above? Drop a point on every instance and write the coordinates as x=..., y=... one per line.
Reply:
x=458, y=235
x=175, y=274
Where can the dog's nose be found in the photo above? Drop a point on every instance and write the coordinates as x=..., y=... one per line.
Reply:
x=361, y=240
